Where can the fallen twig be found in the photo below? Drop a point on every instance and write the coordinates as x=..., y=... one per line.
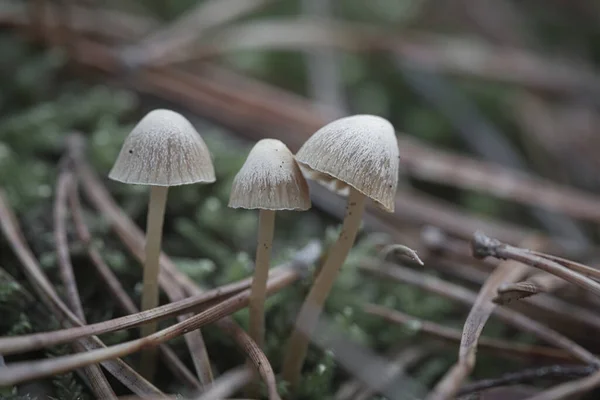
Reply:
x=99, y=385
x=46, y=292
x=24, y=371
x=171, y=359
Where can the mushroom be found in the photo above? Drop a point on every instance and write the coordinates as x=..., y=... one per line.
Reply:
x=270, y=180
x=162, y=150
x=357, y=156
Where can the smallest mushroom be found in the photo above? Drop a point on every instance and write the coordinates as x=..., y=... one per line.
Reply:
x=269, y=180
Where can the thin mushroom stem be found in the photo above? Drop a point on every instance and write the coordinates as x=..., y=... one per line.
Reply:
x=266, y=224
x=256, y=329
x=313, y=304
x=150, y=293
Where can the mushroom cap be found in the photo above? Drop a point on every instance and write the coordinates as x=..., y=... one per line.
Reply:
x=360, y=151
x=163, y=149
x=270, y=179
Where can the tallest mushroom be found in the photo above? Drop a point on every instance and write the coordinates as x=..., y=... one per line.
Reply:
x=163, y=149
x=359, y=155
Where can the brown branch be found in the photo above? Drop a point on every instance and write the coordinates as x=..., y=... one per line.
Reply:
x=484, y=246
x=46, y=292
x=467, y=297
x=498, y=347
x=479, y=314
x=99, y=385
x=177, y=367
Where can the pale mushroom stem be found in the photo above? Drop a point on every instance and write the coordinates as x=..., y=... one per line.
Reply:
x=258, y=290
x=266, y=224
x=150, y=293
x=313, y=304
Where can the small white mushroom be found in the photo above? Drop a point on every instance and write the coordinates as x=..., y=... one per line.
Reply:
x=269, y=180
x=162, y=150
x=357, y=156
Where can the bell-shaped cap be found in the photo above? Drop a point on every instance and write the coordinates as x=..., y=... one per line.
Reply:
x=163, y=149
x=360, y=151
x=270, y=179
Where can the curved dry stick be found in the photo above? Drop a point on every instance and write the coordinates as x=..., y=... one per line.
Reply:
x=42, y=286
x=25, y=371
x=65, y=182
x=178, y=368
x=500, y=347
x=482, y=309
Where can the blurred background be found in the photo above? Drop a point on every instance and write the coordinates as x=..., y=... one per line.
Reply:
x=496, y=107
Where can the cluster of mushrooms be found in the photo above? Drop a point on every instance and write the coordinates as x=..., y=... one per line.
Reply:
x=355, y=156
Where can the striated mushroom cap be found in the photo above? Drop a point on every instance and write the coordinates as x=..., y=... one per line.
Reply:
x=360, y=151
x=163, y=149
x=270, y=179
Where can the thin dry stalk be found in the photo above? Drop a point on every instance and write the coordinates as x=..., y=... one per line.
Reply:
x=46, y=292
x=19, y=344
x=25, y=371
x=570, y=389
x=481, y=311
x=227, y=384
x=484, y=246
x=573, y=265
x=98, y=383
x=528, y=375
x=467, y=297
x=177, y=367
x=499, y=347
